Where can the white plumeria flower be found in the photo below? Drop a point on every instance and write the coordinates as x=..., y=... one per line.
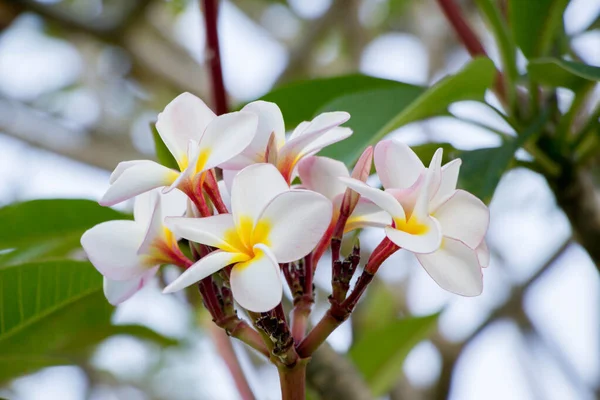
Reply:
x=443, y=226
x=197, y=139
x=321, y=174
x=269, y=224
x=308, y=138
x=129, y=253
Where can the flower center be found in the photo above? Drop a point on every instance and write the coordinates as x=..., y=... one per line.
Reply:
x=412, y=226
x=243, y=238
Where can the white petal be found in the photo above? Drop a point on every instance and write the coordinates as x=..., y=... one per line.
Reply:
x=396, y=164
x=425, y=242
x=252, y=189
x=448, y=182
x=256, y=284
x=173, y=204
x=318, y=127
x=299, y=130
x=112, y=248
x=155, y=230
x=117, y=292
x=215, y=231
x=206, y=266
x=138, y=179
x=228, y=175
x=143, y=207
x=184, y=119
x=483, y=254
x=455, y=268
x=122, y=167
x=383, y=199
x=270, y=120
x=464, y=217
x=332, y=136
x=366, y=214
x=321, y=174
x=295, y=221
x=226, y=137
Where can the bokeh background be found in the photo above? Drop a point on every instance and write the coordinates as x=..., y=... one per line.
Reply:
x=80, y=80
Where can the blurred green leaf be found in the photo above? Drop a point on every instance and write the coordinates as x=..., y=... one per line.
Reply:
x=562, y=73
x=40, y=221
x=300, y=101
x=163, y=154
x=376, y=113
x=53, y=313
x=378, y=308
x=536, y=24
x=482, y=169
x=48, y=228
x=379, y=354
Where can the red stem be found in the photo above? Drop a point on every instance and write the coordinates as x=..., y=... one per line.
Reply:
x=469, y=38
x=211, y=8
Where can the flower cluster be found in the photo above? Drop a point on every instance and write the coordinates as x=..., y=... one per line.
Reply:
x=257, y=220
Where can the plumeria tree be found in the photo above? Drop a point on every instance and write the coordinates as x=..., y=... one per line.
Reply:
x=257, y=228
x=247, y=203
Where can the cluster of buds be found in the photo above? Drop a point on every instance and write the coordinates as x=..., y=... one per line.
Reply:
x=254, y=223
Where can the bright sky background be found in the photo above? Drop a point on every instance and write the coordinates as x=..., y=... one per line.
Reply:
x=526, y=227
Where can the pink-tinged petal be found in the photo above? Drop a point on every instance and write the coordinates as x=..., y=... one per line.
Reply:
x=226, y=137
x=293, y=223
x=425, y=239
x=386, y=201
x=138, y=179
x=455, y=268
x=435, y=169
x=483, y=254
x=117, y=292
x=256, y=284
x=464, y=217
x=299, y=130
x=431, y=179
x=215, y=231
x=362, y=168
x=321, y=174
x=330, y=137
x=397, y=165
x=184, y=119
x=449, y=178
x=367, y=214
x=309, y=140
x=206, y=266
x=270, y=121
x=253, y=188
x=408, y=197
x=112, y=248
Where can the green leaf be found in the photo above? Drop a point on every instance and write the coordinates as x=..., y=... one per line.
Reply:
x=163, y=154
x=482, y=169
x=54, y=313
x=536, y=24
x=376, y=113
x=300, y=101
x=562, y=73
x=379, y=354
x=48, y=228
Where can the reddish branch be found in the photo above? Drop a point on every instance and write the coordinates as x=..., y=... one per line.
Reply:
x=469, y=38
x=211, y=8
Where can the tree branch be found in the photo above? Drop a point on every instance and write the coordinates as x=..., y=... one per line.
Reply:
x=214, y=55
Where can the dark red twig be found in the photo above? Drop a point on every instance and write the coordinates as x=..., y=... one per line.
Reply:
x=211, y=8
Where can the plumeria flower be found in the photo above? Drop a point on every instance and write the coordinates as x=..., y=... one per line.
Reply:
x=443, y=226
x=270, y=144
x=197, y=139
x=321, y=174
x=269, y=224
x=129, y=253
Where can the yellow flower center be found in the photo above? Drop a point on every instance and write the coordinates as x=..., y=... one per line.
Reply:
x=242, y=238
x=412, y=226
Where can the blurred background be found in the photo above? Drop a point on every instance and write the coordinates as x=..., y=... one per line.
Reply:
x=80, y=80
